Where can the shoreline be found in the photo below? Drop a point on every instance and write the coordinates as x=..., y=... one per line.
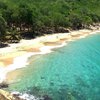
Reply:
x=18, y=54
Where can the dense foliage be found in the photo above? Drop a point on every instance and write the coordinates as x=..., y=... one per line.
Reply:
x=36, y=17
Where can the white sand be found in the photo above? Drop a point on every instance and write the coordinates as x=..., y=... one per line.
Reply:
x=20, y=56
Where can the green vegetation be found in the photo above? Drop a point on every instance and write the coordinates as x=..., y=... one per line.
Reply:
x=2, y=27
x=29, y=18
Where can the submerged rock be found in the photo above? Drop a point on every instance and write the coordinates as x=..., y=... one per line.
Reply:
x=46, y=97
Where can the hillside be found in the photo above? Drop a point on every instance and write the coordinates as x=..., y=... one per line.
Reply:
x=36, y=17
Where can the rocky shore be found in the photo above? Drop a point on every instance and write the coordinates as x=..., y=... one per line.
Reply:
x=4, y=95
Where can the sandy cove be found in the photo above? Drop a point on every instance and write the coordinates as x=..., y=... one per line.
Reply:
x=17, y=54
x=8, y=54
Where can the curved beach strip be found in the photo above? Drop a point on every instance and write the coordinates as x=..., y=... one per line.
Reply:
x=16, y=56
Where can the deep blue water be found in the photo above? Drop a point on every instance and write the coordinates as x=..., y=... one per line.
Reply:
x=69, y=73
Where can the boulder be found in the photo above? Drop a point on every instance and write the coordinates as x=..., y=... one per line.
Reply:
x=2, y=45
x=3, y=85
x=62, y=30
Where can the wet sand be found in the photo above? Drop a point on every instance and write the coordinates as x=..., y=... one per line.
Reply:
x=39, y=45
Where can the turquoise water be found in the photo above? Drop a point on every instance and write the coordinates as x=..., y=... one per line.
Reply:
x=69, y=73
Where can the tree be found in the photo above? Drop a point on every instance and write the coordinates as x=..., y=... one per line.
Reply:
x=2, y=27
x=95, y=17
x=7, y=15
x=3, y=5
x=76, y=21
x=25, y=16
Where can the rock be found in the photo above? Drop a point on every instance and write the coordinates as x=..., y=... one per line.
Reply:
x=3, y=85
x=2, y=45
x=4, y=95
x=46, y=97
x=62, y=30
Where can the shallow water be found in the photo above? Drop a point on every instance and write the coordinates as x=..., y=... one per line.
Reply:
x=69, y=73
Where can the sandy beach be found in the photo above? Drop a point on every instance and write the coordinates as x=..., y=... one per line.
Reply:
x=16, y=56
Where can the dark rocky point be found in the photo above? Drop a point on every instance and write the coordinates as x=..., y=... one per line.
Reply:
x=3, y=85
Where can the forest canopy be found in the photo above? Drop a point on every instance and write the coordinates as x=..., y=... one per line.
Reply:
x=38, y=17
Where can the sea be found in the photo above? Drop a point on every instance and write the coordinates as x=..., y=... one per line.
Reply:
x=71, y=72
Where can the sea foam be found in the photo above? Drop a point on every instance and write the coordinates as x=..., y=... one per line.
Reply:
x=22, y=61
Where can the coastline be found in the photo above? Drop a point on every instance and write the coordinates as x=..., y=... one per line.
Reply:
x=18, y=54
